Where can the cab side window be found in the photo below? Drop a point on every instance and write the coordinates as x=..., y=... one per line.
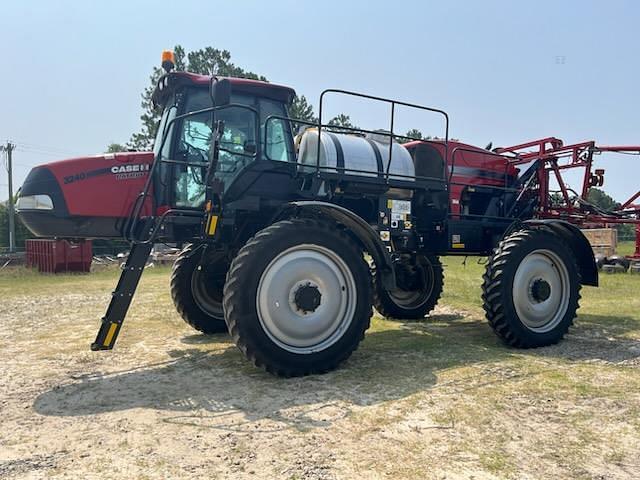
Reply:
x=278, y=132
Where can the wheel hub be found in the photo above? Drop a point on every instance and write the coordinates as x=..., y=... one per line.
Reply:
x=540, y=290
x=415, y=284
x=207, y=283
x=307, y=298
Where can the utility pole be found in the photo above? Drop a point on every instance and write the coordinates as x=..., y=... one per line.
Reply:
x=8, y=149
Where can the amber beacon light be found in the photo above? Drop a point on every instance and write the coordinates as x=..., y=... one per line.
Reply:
x=168, y=60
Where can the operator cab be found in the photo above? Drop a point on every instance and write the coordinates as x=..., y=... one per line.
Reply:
x=183, y=141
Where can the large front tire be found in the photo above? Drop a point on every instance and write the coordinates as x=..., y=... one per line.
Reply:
x=531, y=289
x=197, y=283
x=297, y=299
x=423, y=282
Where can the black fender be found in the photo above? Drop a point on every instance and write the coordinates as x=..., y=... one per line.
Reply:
x=360, y=228
x=578, y=243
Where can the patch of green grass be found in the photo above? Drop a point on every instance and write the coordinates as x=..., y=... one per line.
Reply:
x=26, y=281
x=626, y=248
x=497, y=461
x=462, y=282
x=614, y=304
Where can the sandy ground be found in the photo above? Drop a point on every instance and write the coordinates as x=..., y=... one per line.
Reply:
x=440, y=399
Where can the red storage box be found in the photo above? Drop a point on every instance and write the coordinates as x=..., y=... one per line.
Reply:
x=55, y=256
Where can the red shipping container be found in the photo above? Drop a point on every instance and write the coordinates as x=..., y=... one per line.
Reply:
x=55, y=256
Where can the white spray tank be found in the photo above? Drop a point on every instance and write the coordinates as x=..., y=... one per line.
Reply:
x=368, y=155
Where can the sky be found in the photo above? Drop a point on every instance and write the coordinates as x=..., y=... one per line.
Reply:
x=506, y=72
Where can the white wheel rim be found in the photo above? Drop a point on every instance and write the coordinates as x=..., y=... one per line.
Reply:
x=541, y=289
x=282, y=319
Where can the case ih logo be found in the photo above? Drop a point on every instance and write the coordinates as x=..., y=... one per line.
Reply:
x=124, y=172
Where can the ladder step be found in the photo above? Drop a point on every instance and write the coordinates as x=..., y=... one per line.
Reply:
x=121, y=297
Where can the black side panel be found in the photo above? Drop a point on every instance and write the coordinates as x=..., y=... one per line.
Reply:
x=428, y=161
x=48, y=224
x=41, y=181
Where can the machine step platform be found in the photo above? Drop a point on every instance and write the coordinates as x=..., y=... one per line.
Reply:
x=122, y=296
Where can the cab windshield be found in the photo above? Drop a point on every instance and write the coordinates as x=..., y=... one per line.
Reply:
x=192, y=143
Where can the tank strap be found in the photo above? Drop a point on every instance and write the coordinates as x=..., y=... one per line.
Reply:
x=339, y=152
x=378, y=155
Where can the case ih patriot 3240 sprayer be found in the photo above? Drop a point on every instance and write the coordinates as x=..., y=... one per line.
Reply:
x=278, y=227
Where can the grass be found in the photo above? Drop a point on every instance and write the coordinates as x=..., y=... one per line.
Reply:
x=20, y=280
x=466, y=275
x=626, y=248
x=427, y=399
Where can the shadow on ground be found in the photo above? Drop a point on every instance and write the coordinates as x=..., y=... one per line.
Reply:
x=602, y=338
x=219, y=388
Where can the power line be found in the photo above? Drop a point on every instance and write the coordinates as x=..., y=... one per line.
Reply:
x=22, y=163
x=44, y=149
x=47, y=152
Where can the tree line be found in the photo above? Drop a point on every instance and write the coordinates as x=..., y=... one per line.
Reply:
x=206, y=61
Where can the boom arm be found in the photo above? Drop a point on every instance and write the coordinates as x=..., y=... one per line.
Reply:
x=555, y=157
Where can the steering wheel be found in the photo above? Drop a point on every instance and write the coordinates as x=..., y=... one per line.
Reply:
x=193, y=151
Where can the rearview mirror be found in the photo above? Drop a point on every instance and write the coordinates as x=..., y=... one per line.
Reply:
x=250, y=148
x=220, y=91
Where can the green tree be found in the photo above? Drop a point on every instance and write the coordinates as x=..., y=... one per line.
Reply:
x=556, y=199
x=339, y=121
x=301, y=109
x=205, y=61
x=22, y=233
x=600, y=199
x=410, y=136
x=116, y=147
x=414, y=133
x=604, y=201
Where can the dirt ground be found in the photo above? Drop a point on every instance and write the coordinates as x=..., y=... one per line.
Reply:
x=439, y=399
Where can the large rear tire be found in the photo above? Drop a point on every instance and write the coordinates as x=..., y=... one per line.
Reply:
x=197, y=284
x=422, y=281
x=531, y=289
x=297, y=299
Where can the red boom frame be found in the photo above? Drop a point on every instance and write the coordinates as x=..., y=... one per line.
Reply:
x=554, y=157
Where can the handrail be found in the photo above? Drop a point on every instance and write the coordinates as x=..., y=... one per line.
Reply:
x=393, y=103
x=319, y=167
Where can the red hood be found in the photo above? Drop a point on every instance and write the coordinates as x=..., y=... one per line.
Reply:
x=91, y=196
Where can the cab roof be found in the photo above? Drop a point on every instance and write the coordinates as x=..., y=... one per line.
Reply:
x=169, y=82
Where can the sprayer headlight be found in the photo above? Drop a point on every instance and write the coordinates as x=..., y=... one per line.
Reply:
x=34, y=202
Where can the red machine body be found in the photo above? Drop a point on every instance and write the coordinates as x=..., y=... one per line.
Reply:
x=466, y=167
x=94, y=195
x=90, y=196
